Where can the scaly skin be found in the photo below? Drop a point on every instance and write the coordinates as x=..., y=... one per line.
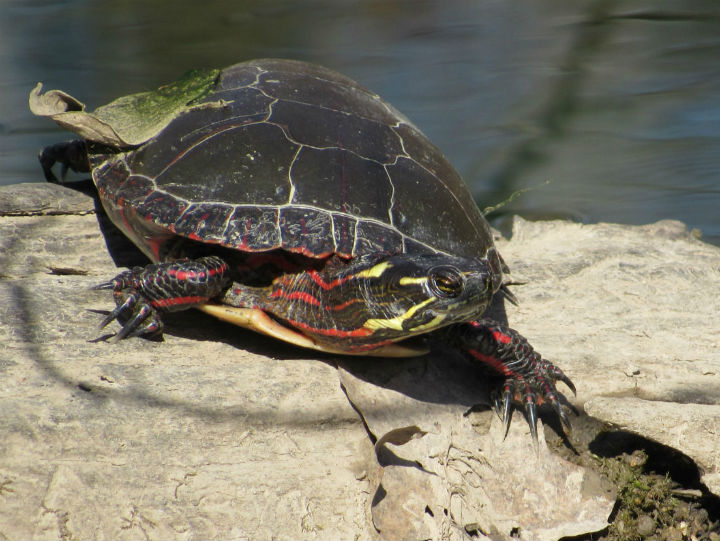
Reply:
x=142, y=293
x=529, y=379
x=357, y=309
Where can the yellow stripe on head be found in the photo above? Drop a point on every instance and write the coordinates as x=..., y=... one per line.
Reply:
x=396, y=323
x=376, y=271
x=409, y=281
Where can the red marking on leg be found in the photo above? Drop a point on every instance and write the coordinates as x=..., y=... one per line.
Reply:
x=501, y=337
x=185, y=275
x=178, y=301
x=494, y=362
x=296, y=295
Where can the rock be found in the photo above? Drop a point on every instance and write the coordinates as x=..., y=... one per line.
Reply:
x=217, y=432
x=203, y=435
x=454, y=479
x=630, y=314
x=37, y=199
x=645, y=526
x=690, y=428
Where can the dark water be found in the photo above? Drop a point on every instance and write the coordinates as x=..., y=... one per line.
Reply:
x=609, y=111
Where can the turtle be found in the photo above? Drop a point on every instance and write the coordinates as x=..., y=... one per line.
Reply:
x=285, y=197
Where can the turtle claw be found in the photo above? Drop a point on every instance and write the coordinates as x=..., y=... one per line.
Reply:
x=504, y=409
x=566, y=380
x=529, y=379
x=142, y=324
x=567, y=426
x=133, y=311
x=531, y=411
x=509, y=295
x=70, y=154
x=119, y=310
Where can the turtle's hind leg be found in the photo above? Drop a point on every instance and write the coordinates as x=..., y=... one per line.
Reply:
x=71, y=154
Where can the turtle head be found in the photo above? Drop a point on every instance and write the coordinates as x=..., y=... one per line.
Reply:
x=408, y=294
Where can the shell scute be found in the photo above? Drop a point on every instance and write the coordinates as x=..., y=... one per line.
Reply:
x=307, y=231
x=254, y=228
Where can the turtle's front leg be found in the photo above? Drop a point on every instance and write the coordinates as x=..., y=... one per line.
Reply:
x=71, y=154
x=143, y=293
x=529, y=379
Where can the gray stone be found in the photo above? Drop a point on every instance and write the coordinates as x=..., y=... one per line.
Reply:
x=631, y=315
x=219, y=433
x=37, y=199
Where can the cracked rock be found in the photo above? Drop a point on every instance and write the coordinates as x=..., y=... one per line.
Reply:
x=216, y=432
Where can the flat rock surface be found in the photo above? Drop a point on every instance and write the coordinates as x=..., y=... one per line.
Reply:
x=216, y=432
x=631, y=315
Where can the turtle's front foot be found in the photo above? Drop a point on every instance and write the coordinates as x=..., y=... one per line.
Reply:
x=133, y=310
x=71, y=154
x=529, y=379
x=143, y=293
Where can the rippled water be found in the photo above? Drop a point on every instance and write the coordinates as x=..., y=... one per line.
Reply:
x=608, y=111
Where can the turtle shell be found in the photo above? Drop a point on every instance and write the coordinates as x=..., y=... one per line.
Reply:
x=287, y=155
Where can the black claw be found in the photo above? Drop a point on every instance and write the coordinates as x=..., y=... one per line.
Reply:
x=531, y=410
x=564, y=419
x=506, y=410
x=119, y=309
x=132, y=325
x=557, y=406
x=566, y=380
x=505, y=290
x=105, y=285
x=110, y=317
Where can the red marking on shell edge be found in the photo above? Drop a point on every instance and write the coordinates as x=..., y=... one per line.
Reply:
x=496, y=363
x=154, y=245
x=304, y=251
x=178, y=301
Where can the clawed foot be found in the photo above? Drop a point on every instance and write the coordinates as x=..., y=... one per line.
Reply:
x=529, y=379
x=531, y=391
x=135, y=313
x=71, y=155
x=143, y=293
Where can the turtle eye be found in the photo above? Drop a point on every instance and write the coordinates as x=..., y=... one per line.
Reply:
x=446, y=282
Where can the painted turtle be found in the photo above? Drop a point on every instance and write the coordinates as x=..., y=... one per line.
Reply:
x=286, y=198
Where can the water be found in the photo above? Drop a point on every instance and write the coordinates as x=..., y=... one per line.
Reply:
x=608, y=111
